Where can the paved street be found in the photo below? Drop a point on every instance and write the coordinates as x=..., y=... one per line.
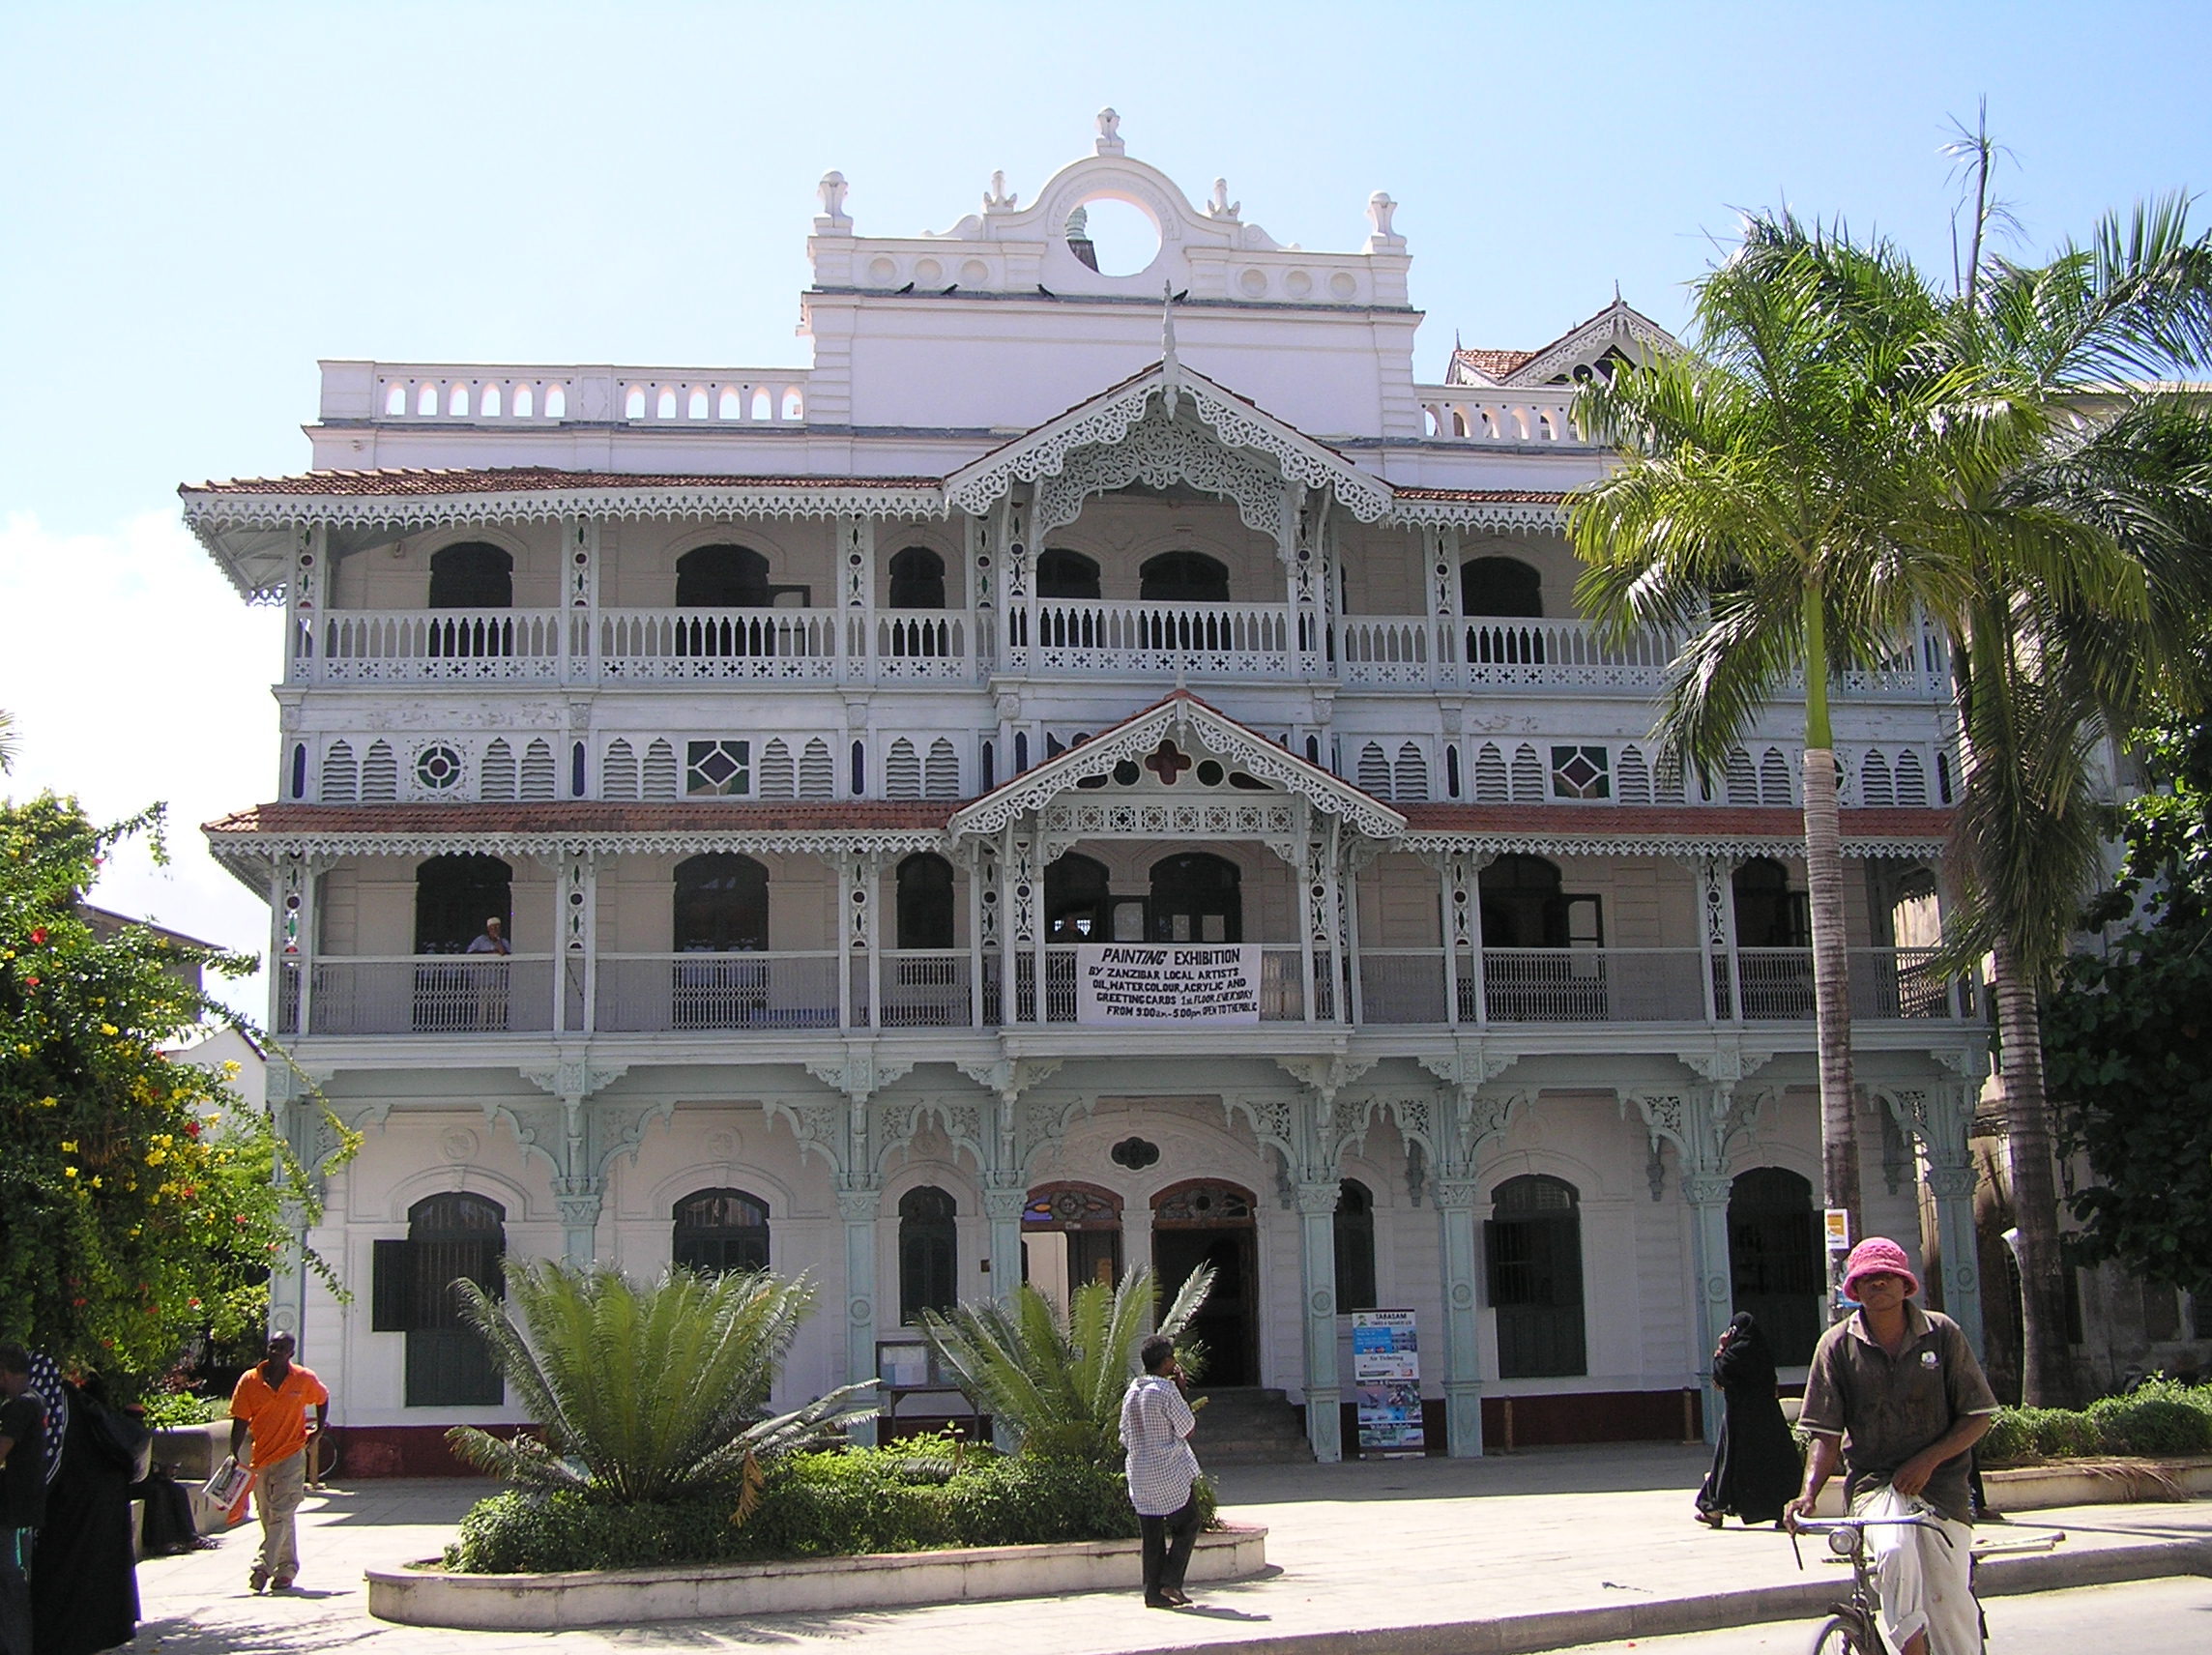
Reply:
x=1406, y=1553
x=2150, y=1618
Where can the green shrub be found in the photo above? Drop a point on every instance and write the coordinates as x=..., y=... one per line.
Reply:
x=165, y=1411
x=2160, y=1418
x=811, y=1505
x=2008, y=1438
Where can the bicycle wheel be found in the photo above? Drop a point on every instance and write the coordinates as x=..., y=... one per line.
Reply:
x=1840, y=1636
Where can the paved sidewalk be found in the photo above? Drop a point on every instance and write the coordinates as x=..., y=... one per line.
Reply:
x=1422, y=1558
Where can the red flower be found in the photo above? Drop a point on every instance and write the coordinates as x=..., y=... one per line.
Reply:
x=37, y=934
x=191, y=1129
x=30, y=983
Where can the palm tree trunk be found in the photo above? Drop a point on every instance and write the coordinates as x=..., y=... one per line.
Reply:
x=1831, y=985
x=2047, y=1367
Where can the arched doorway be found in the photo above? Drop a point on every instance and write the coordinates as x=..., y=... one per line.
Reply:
x=1495, y=592
x=1075, y=897
x=1197, y=898
x=1072, y=1233
x=451, y=1238
x=1774, y=1257
x=1207, y=1221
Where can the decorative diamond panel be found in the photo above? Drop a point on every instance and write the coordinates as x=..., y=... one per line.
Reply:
x=718, y=770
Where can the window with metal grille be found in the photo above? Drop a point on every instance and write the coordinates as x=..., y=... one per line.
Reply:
x=1533, y=1243
x=929, y=1248
x=719, y=1229
x=451, y=1238
x=1355, y=1225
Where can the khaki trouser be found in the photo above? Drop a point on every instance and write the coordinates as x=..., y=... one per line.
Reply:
x=1926, y=1584
x=277, y=1489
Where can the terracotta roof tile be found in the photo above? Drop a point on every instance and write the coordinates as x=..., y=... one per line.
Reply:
x=1667, y=821
x=1487, y=496
x=1494, y=364
x=522, y=479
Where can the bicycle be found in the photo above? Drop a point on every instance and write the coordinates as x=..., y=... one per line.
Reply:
x=1852, y=1626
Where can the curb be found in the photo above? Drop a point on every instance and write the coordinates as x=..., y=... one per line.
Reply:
x=1558, y=1629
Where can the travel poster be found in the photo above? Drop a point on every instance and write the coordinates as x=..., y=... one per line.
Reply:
x=1386, y=1374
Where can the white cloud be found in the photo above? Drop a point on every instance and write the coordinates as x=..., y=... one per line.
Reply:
x=135, y=673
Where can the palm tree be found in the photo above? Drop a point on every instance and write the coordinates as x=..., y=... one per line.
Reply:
x=1754, y=510
x=1057, y=1381
x=2089, y=571
x=645, y=1392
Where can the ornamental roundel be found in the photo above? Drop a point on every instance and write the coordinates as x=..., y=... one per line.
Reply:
x=438, y=768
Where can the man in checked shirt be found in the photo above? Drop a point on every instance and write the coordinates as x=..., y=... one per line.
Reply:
x=1156, y=1424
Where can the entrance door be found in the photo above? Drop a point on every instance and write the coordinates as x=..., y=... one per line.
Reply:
x=1207, y=1222
x=1071, y=1235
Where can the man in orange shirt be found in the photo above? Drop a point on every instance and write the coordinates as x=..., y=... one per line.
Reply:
x=272, y=1402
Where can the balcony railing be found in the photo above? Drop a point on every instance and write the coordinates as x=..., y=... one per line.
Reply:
x=1062, y=638
x=462, y=994
x=787, y=991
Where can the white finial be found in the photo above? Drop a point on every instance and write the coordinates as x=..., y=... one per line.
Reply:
x=996, y=199
x=1109, y=133
x=1221, y=207
x=833, y=191
x=1171, y=366
x=1379, y=207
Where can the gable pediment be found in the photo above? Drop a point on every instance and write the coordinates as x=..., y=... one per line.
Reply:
x=1160, y=755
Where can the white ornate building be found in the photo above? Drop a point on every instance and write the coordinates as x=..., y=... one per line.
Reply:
x=810, y=730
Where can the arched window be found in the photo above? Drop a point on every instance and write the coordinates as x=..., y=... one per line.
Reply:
x=451, y=1237
x=1500, y=586
x=1354, y=1224
x=925, y=902
x=1075, y=897
x=721, y=904
x=1769, y=914
x=453, y=898
x=721, y=577
x=1534, y=1245
x=1774, y=1258
x=472, y=574
x=719, y=1229
x=917, y=579
x=928, y=1248
x=1062, y=573
x=1197, y=898
x=1522, y=907
x=1182, y=577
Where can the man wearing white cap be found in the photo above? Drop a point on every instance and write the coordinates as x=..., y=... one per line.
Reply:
x=1895, y=1392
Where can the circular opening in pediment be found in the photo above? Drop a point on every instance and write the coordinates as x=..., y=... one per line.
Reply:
x=1112, y=236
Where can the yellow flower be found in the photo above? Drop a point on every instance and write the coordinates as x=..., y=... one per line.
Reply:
x=155, y=1157
x=68, y=1172
x=68, y=1146
x=230, y=1066
x=108, y=1028
x=96, y=1180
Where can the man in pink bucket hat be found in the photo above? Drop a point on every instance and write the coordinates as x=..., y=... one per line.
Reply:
x=1896, y=1394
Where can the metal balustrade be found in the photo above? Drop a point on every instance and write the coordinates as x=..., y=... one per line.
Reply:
x=443, y=994
x=936, y=988
x=664, y=644
x=659, y=993
x=1090, y=636
x=396, y=646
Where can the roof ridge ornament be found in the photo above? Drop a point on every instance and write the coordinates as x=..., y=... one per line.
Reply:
x=1380, y=208
x=1171, y=365
x=1221, y=207
x=831, y=190
x=1110, y=133
x=997, y=198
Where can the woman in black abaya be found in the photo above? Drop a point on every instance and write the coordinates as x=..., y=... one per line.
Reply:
x=84, y=1583
x=1756, y=1463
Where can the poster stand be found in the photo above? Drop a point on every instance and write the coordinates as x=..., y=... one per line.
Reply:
x=1387, y=1375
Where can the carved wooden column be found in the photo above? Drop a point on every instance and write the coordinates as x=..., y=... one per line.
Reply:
x=304, y=586
x=859, y=1204
x=1455, y=1200
x=1940, y=1115
x=1716, y=938
x=575, y=926
x=578, y=623
x=856, y=597
x=1317, y=1260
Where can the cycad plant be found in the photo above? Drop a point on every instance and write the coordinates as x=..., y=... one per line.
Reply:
x=1055, y=1380
x=645, y=1392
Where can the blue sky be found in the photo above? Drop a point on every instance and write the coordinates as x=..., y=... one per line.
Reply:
x=200, y=200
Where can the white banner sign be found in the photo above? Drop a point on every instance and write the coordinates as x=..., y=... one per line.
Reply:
x=1167, y=982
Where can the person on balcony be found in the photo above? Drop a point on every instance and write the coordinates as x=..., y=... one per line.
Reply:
x=491, y=941
x=1896, y=1394
x=491, y=977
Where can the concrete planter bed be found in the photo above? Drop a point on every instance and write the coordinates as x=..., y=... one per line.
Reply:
x=2097, y=1482
x=427, y=1596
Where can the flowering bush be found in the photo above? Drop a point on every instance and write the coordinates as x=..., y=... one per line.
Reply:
x=140, y=1205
